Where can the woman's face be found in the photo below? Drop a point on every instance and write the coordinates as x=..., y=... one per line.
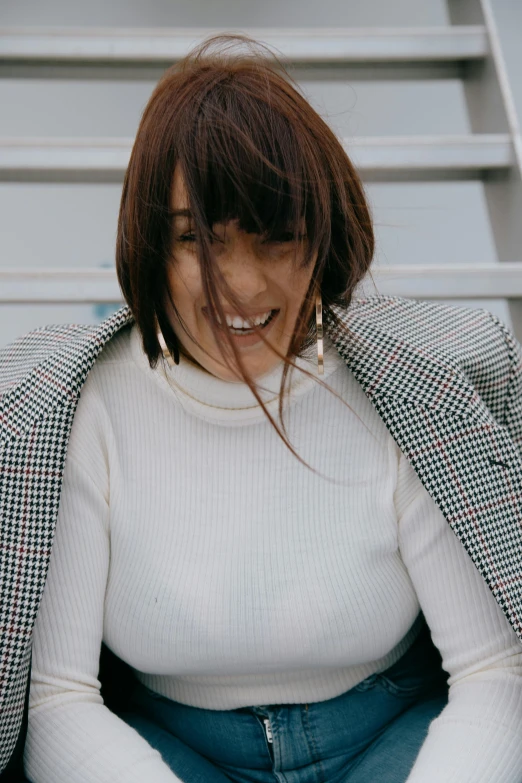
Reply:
x=262, y=274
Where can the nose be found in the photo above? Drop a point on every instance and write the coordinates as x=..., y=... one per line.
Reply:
x=243, y=269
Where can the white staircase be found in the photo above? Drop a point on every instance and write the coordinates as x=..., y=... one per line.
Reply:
x=441, y=155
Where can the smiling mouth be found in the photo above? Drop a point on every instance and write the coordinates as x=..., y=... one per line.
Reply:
x=243, y=331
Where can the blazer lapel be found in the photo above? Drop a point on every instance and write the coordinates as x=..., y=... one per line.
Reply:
x=466, y=460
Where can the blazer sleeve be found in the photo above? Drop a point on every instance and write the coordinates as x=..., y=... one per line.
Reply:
x=72, y=736
x=477, y=736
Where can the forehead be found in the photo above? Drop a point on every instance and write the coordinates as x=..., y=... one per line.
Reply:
x=179, y=203
x=180, y=206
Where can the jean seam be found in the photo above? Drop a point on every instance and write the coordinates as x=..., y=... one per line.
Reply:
x=315, y=751
x=415, y=691
x=399, y=690
x=367, y=684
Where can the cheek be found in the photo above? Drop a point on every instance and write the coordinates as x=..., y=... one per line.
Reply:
x=297, y=286
x=185, y=286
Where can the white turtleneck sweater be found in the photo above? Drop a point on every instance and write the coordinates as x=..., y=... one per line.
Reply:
x=227, y=574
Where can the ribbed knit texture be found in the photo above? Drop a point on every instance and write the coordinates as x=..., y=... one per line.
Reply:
x=227, y=574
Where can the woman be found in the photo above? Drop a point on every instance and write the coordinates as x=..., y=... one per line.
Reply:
x=238, y=523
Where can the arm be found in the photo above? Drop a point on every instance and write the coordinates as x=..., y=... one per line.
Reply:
x=477, y=737
x=72, y=737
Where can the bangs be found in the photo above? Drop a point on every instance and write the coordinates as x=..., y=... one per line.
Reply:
x=242, y=161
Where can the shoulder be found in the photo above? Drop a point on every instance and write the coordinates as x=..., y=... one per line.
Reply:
x=433, y=339
x=421, y=321
x=49, y=366
x=455, y=335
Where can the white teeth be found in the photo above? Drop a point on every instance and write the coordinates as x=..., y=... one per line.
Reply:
x=236, y=322
x=260, y=319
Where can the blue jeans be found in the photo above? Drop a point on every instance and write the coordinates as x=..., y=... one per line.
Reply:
x=373, y=732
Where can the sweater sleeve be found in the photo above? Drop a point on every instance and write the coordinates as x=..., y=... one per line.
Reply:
x=477, y=737
x=72, y=737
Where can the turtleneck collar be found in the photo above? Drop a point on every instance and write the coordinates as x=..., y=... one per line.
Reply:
x=232, y=403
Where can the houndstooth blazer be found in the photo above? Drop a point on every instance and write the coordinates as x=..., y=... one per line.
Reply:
x=446, y=381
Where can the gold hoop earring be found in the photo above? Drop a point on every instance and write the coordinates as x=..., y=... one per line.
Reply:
x=171, y=361
x=319, y=329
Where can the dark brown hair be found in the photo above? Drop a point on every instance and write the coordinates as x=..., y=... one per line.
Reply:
x=250, y=148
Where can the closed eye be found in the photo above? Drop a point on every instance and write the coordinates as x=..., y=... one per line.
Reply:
x=287, y=236
x=191, y=237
